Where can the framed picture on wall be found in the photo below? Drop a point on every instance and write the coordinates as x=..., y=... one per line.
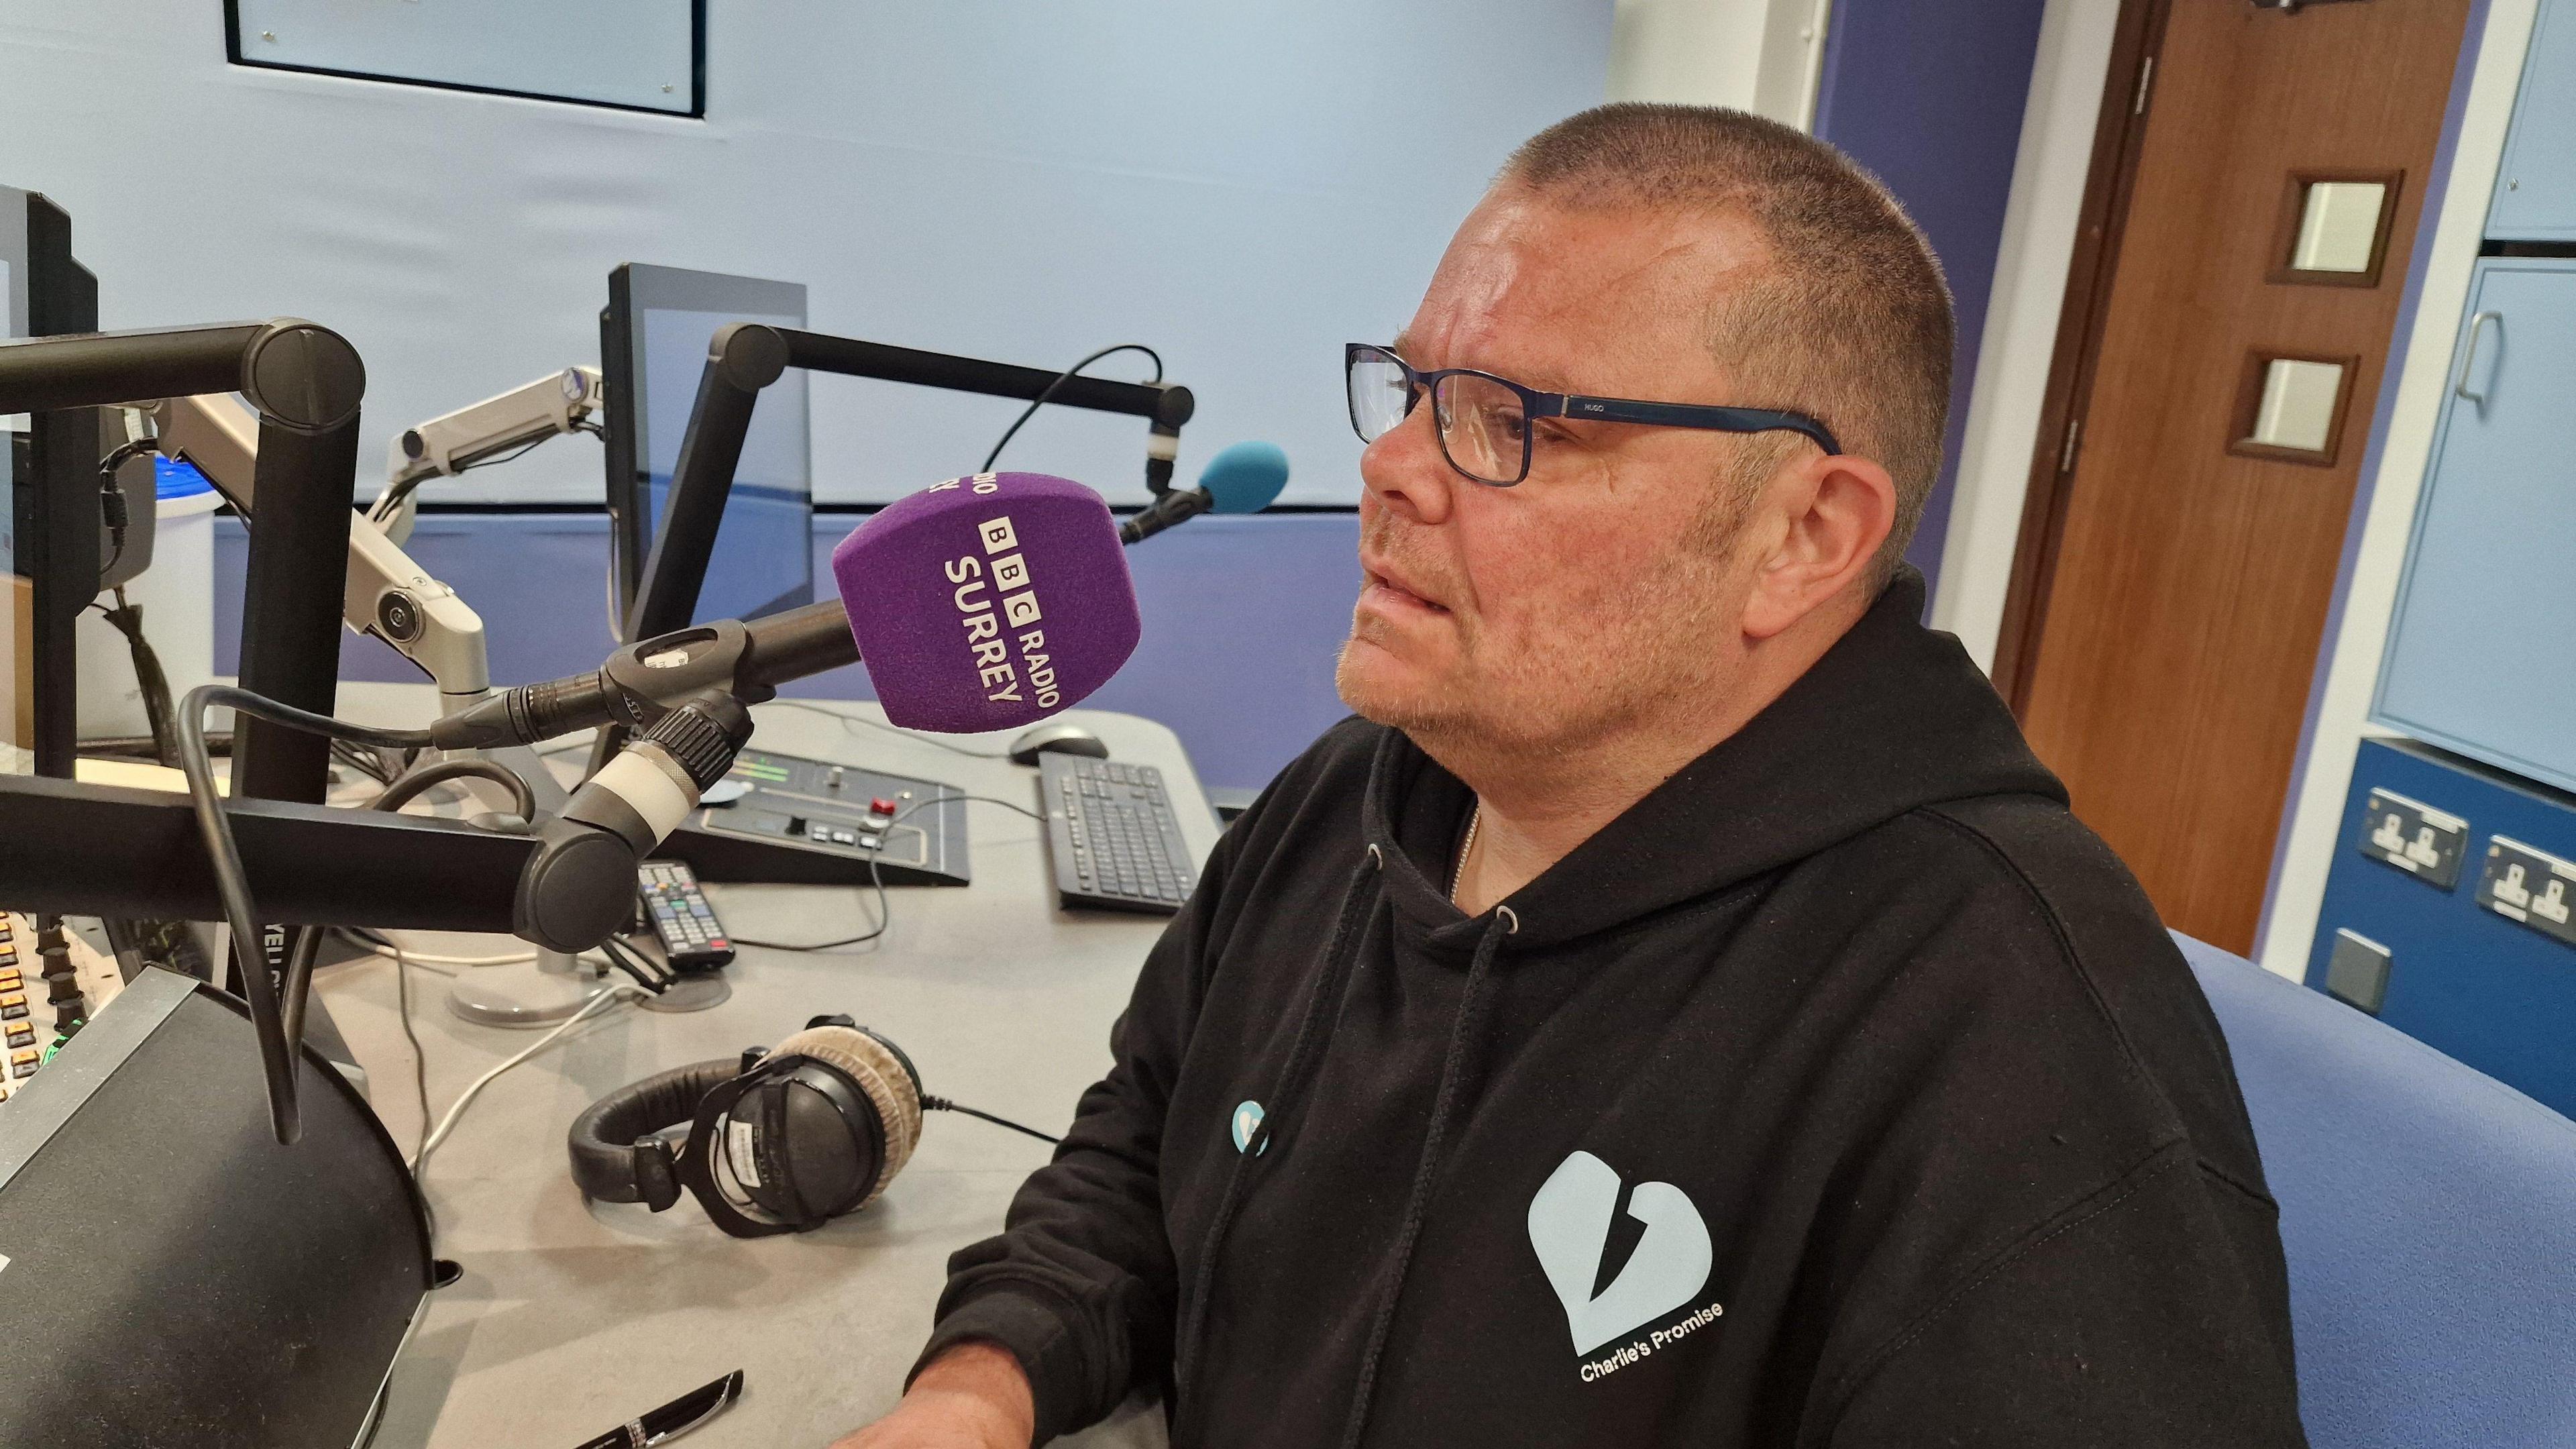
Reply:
x=635, y=55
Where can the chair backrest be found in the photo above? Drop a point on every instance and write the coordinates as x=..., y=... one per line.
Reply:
x=2428, y=1213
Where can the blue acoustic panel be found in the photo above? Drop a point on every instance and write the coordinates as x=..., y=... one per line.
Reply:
x=1244, y=619
x=2496, y=993
x=639, y=54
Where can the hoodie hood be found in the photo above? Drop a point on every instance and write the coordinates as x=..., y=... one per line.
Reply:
x=1893, y=717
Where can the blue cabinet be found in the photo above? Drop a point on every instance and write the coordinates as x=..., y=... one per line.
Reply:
x=2411, y=927
x=2482, y=649
x=2535, y=195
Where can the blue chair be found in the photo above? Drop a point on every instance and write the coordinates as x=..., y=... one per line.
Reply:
x=2428, y=1213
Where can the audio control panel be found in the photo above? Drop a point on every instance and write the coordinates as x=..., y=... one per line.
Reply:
x=790, y=819
x=27, y=1036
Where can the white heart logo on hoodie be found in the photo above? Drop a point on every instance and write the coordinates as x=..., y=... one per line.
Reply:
x=1569, y=1226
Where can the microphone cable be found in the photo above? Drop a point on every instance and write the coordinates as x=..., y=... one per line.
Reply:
x=276, y=1008
x=1068, y=375
x=850, y=724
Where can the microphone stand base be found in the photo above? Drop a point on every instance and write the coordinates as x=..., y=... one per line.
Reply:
x=529, y=994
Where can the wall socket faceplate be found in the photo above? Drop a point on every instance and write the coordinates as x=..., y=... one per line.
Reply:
x=2530, y=886
x=2426, y=843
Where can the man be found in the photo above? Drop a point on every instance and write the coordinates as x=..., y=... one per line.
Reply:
x=1679, y=1010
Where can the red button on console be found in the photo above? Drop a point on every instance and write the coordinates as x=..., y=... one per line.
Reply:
x=881, y=806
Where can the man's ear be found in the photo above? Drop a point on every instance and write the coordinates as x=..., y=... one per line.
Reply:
x=1829, y=515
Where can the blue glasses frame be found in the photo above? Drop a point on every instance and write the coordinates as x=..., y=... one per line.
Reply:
x=1536, y=404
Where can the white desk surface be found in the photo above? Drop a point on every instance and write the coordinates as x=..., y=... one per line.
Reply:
x=573, y=1317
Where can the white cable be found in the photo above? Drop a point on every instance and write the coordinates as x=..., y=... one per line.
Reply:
x=431, y=958
x=617, y=992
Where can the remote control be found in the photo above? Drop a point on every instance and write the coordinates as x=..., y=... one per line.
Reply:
x=692, y=939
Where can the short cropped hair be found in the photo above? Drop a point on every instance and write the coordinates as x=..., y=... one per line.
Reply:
x=1851, y=320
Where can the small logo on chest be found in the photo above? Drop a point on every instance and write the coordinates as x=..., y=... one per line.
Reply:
x=1570, y=1222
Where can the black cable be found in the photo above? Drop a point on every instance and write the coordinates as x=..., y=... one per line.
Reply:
x=876, y=877
x=365, y=762
x=1061, y=378
x=111, y=499
x=141, y=747
x=916, y=736
x=392, y=500
x=401, y=792
x=942, y=1104
x=127, y=618
x=214, y=827
x=634, y=963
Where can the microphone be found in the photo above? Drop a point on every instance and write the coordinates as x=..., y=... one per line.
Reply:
x=1241, y=478
x=988, y=603
x=579, y=886
x=982, y=603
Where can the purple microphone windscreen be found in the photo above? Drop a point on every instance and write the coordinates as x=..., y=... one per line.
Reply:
x=988, y=603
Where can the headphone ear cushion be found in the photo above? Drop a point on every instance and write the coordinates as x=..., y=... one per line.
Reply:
x=880, y=1074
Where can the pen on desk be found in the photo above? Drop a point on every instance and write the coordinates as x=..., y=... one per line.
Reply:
x=662, y=1425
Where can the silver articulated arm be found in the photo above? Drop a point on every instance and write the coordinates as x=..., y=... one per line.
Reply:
x=388, y=595
x=553, y=405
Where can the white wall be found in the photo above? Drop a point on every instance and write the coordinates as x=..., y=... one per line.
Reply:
x=2020, y=339
x=1244, y=185
x=2316, y=805
x=1762, y=56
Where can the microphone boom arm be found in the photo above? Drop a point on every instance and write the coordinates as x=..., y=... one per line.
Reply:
x=744, y=357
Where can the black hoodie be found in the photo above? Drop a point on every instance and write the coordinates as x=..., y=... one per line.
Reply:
x=1842, y=1091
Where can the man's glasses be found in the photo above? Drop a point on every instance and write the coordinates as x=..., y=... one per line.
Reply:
x=1484, y=420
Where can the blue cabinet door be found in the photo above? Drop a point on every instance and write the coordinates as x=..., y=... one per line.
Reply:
x=2482, y=652
x=2535, y=195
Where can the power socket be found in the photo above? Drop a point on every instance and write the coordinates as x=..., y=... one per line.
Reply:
x=2426, y=843
x=2531, y=887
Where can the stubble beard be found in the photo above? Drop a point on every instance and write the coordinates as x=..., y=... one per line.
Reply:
x=1621, y=660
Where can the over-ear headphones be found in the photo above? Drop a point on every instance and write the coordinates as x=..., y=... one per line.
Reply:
x=778, y=1142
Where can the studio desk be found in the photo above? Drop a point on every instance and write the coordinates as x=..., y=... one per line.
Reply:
x=573, y=1317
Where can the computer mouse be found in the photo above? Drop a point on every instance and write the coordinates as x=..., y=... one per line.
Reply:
x=1060, y=737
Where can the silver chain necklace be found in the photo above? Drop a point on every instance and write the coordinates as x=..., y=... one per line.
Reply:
x=1458, y=873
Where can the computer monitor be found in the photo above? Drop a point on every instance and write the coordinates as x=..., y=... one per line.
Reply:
x=652, y=350
x=48, y=520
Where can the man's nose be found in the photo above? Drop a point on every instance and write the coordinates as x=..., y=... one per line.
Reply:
x=1405, y=471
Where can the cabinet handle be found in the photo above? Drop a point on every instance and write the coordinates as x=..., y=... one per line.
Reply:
x=2469, y=358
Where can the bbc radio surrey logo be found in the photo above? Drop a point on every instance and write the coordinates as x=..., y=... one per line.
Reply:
x=998, y=603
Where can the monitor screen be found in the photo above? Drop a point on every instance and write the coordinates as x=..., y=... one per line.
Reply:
x=659, y=322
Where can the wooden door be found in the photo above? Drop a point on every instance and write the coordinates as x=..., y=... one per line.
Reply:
x=2225, y=337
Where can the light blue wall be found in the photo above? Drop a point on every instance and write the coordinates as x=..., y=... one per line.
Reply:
x=1244, y=184
x=1242, y=620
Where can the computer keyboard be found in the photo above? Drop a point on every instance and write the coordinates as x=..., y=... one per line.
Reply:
x=1112, y=835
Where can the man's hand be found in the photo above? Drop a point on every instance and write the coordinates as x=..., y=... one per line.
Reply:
x=974, y=1396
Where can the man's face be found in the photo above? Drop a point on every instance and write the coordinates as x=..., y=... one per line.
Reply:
x=1605, y=589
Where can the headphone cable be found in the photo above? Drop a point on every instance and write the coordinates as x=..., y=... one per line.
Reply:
x=942, y=1104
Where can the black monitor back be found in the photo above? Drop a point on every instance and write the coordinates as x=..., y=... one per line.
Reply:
x=52, y=493
x=653, y=341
